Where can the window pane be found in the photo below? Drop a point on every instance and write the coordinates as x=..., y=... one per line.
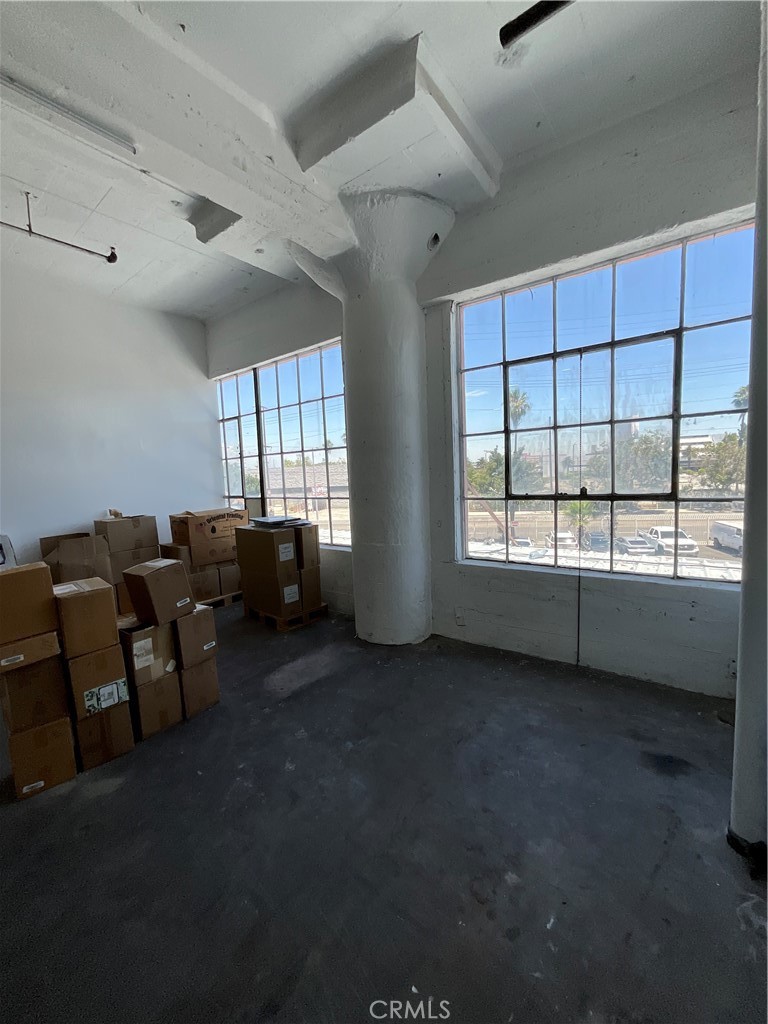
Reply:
x=584, y=387
x=288, y=388
x=643, y=379
x=716, y=368
x=483, y=400
x=335, y=427
x=718, y=277
x=584, y=459
x=528, y=322
x=317, y=512
x=315, y=474
x=293, y=474
x=530, y=525
x=718, y=531
x=584, y=308
x=312, y=424
x=333, y=376
x=231, y=439
x=340, y=522
x=296, y=505
x=484, y=465
x=481, y=333
x=337, y=473
x=531, y=462
x=268, y=387
x=309, y=376
x=246, y=392
x=643, y=457
x=584, y=535
x=218, y=395
x=270, y=426
x=291, y=428
x=531, y=394
x=648, y=293
x=485, y=530
x=273, y=468
x=252, y=478
x=249, y=437
x=713, y=455
x=275, y=507
x=229, y=396
x=643, y=537
x=235, y=477
x=236, y=503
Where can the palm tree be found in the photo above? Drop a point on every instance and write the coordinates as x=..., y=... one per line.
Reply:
x=741, y=401
x=519, y=407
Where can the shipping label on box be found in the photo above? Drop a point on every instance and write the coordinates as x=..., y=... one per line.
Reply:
x=105, y=696
x=96, y=672
x=149, y=652
x=22, y=653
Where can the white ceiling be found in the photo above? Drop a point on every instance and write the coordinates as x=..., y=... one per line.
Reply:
x=593, y=65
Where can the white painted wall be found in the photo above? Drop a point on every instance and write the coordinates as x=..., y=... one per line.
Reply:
x=102, y=405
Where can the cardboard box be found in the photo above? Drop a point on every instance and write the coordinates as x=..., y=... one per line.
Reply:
x=149, y=652
x=214, y=550
x=196, y=637
x=31, y=649
x=34, y=695
x=205, y=583
x=178, y=551
x=42, y=757
x=127, y=533
x=157, y=705
x=27, y=606
x=266, y=552
x=105, y=736
x=49, y=544
x=311, y=597
x=281, y=598
x=98, y=681
x=307, y=546
x=209, y=535
x=199, y=687
x=79, y=559
x=229, y=578
x=122, y=560
x=123, y=598
x=159, y=591
x=87, y=616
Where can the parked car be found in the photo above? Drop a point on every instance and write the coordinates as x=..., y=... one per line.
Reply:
x=663, y=540
x=522, y=542
x=595, y=540
x=633, y=546
x=727, y=534
x=565, y=539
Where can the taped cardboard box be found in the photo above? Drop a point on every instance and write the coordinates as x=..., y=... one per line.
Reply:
x=149, y=652
x=199, y=687
x=79, y=559
x=209, y=534
x=27, y=606
x=31, y=649
x=98, y=681
x=278, y=597
x=127, y=533
x=159, y=591
x=49, y=544
x=266, y=553
x=205, y=584
x=307, y=546
x=87, y=616
x=42, y=758
x=311, y=597
x=229, y=578
x=105, y=736
x=124, y=605
x=122, y=560
x=196, y=637
x=34, y=695
x=179, y=552
x=157, y=705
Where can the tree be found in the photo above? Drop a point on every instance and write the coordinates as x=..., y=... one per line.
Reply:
x=485, y=476
x=519, y=407
x=579, y=514
x=724, y=463
x=643, y=462
x=741, y=401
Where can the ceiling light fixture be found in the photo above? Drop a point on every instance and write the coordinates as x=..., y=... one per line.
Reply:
x=535, y=15
x=110, y=258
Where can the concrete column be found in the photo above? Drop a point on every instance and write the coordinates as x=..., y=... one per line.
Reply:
x=748, y=795
x=385, y=393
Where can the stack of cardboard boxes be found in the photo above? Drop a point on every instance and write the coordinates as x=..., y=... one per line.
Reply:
x=280, y=569
x=33, y=686
x=205, y=543
x=130, y=540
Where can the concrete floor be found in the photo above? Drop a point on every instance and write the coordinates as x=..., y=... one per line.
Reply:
x=531, y=842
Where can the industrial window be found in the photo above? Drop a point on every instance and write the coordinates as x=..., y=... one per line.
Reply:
x=283, y=436
x=603, y=414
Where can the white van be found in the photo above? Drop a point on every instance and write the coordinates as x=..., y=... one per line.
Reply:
x=727, y=534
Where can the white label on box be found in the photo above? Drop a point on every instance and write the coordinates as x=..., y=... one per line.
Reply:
x=32, y=786
x=64, y=588
x=209, y=645
x=106, y=696
x=182, y=602
x=285, y=552
x=170, y=666
x=12, y=661
x=291, y=594
x=143, y=653
x=160, y=563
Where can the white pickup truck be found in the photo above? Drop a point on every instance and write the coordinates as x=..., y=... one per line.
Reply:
x=663, y=540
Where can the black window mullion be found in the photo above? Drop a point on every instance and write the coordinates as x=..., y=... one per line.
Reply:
x=260, y=443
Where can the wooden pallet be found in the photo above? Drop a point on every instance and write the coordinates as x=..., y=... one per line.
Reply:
x=286, y=625
x=224, y=601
